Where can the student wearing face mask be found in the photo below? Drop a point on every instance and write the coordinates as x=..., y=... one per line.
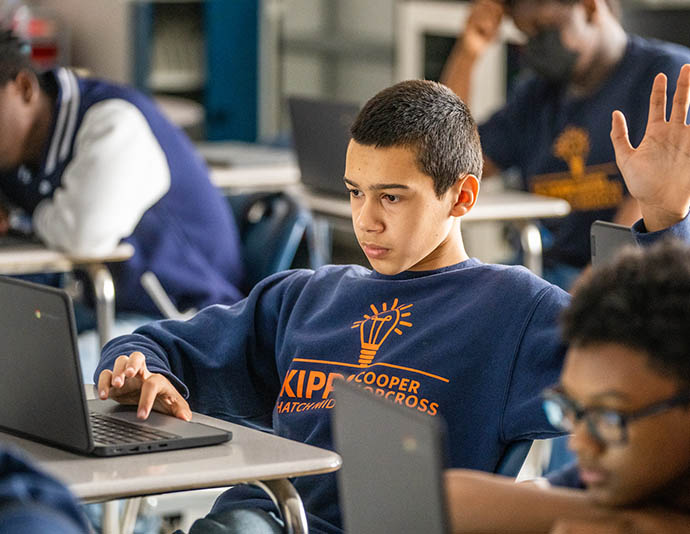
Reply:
x=554, y=128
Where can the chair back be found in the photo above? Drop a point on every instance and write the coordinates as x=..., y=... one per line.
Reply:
x=271, y=227
x=513, y=458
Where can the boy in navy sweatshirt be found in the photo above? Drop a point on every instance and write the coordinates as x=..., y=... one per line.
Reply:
x=429, y=328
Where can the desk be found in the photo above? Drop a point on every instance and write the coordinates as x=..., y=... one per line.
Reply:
x=250, y=457
x=244, y=167
x=522, y=208
x=31, y=259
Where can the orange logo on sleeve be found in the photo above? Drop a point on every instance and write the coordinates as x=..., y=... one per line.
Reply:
x=375, y=328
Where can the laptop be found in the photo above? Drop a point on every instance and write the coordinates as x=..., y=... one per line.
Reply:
x=607, y=239
x=41, y=390
x=321, y=133
x=391, y=479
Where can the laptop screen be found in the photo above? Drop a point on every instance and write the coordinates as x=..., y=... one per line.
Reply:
x=321, y=133
x=40, y=385
x=391, y=479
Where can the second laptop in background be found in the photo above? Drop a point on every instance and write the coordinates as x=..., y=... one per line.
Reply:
x=321, y=133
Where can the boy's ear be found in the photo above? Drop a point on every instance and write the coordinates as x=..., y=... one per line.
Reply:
x=27, y=85
x=466, y=191
x=592, y=7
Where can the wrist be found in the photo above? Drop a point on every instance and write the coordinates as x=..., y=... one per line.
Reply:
x=469, y=52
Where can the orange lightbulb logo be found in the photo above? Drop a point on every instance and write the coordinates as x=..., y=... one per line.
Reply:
x=375, y=328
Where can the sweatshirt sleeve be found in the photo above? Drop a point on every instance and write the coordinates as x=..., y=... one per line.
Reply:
x=223, y=360
x=34, y=503
x=537, y=365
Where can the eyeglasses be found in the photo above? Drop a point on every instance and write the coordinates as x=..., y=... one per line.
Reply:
x=609, y=427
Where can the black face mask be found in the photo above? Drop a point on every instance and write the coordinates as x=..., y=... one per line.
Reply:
x=547, y=56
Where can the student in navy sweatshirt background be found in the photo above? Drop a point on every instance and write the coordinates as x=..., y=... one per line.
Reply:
x=429, y=328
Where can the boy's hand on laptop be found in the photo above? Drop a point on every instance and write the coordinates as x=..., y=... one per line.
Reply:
x=657, y=172
x=130, y=382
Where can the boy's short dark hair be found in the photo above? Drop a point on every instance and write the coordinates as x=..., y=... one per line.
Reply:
x=14, y=56
x=641, y=300
x=614, y=5
x=428, y=118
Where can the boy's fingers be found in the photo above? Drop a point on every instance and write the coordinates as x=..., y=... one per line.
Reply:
x=118, y=378
x=180, y=408
x=657, y=100
x=619, y=136
x=681, y=99
x=149, y=392
x=136, y=364
x=104, y=383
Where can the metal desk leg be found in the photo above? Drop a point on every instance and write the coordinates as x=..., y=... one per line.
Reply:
x=104, y=290
x=129, y=516
x=530, y=239
x=285, y=497
x=110, y=522
x=114, y=523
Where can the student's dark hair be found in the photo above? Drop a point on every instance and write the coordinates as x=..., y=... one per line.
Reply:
x=641, y=300
x=614, y=5
x=14, y=57
x=428, y=118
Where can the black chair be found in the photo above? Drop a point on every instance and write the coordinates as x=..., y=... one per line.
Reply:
x=272, y=226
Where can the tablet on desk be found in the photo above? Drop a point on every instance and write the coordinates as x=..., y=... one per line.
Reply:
x=607, y=239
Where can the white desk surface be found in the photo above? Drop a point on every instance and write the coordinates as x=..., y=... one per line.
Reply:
x=248, y=166
x=29, y=259
x=256, y=177
x=250, y=455
x=503, y=206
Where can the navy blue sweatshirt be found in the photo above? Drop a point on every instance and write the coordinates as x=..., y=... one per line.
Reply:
x=473, y=343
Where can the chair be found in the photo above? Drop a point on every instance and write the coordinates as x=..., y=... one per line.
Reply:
x=271, y=225
x=531, y=459
x=513, y=458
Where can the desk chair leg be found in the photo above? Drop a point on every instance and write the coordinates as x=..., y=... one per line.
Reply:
x=322, y=246
x=104, y=290
x=530, y=239
x=285, y=497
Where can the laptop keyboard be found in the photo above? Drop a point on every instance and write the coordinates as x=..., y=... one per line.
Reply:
x=113, y=431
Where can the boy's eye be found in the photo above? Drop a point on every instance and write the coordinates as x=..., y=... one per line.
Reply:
x=354, y=192
x=391, y=198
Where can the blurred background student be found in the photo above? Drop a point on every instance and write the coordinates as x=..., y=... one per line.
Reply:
x=93, y=164
x=554, y=129
x=31, y=502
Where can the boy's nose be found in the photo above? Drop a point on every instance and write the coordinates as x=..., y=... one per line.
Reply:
x=367, y=218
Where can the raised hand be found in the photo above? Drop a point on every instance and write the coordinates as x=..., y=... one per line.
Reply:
x=657, y=172
x=482, y=26
x=130, y=382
